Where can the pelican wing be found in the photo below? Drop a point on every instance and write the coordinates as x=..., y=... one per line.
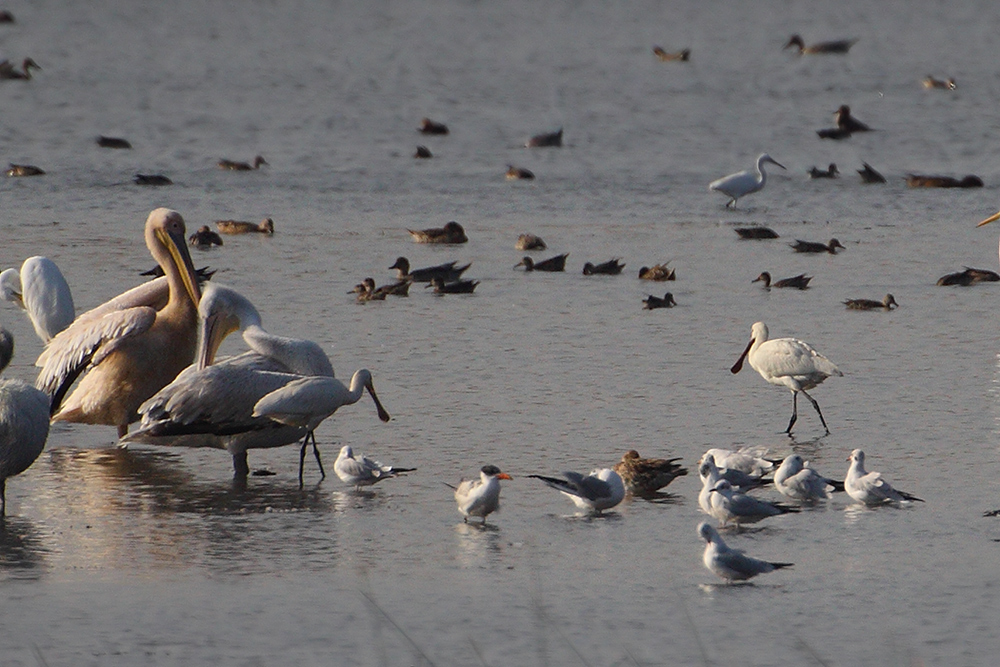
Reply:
x=151, y=294
x=217, y=399
x=302, y=357
x=79, y=347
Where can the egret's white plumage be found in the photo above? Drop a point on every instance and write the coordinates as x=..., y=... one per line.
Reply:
x=24, y=422
x=731, y=506
x=211, y=404
x=743, y=183
x=42, y=291
x=480, y=497
x=731, y=564
x=600, y=490
x=796, y=480
x=869, y=487
x=787, y=362
x=362, y=471
x=127, y=350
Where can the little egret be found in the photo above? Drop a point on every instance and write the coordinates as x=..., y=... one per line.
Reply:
x=745, y=182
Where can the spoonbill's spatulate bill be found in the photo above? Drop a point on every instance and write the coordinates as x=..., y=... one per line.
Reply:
x=731, y=564
x=787, y=362
x=869, y=487
x=745, y=182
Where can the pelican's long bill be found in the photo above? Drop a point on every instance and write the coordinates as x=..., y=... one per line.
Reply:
x=992, y=218
x=176, y=245
x=738, y=366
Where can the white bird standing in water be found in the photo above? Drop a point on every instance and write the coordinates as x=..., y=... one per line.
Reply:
x=362, y=471
x=211, y=404
x=796, y=480
x=24, y=422
x=787, y=362
x=600, y=490
x=127, y=349
x=43, y=293
x=480, y=497
x=869, y=487
x=306, y=402
x=745, y=182
x=731, y=564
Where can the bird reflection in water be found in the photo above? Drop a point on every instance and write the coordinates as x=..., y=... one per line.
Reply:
x=22, y=549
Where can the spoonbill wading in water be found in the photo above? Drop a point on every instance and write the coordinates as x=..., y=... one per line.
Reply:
x=745, y=182
x=787, y=362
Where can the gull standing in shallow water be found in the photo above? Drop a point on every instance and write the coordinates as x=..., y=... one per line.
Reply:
x=731, y=564
x=745, y=182
x=128, y=348
x=362, y=471
x=600, y=490
x=796, y=480
x=869, y=487
x=480, y=497
x=787, y=362
x=731, y=506
x=24, y=422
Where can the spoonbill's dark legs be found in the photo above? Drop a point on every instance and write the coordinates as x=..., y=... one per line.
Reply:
x=302, y=456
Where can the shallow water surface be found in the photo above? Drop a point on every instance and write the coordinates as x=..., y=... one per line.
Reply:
x=155, y=556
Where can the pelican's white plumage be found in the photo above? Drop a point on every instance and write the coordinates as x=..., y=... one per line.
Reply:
x=480, y=497
x=744, y=183
x=731, y=564
x=787, y=362
x=24, y=422
x=42, y=291
x=869, y=487
x=796, y=480
x=127, y=350
x=600, y=490
x=361, y=471
x=731, y=506
x=211, y=404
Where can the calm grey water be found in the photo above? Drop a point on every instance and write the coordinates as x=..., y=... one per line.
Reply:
x=152, y=556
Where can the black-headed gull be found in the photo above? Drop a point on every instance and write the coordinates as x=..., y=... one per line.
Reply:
x=869, y=487
x=362, y=471
x=731, y=564
x=796, y=480
x=600, y=490
x=731, y=506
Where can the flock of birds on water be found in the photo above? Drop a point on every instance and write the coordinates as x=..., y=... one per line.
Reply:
x=149, y=356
